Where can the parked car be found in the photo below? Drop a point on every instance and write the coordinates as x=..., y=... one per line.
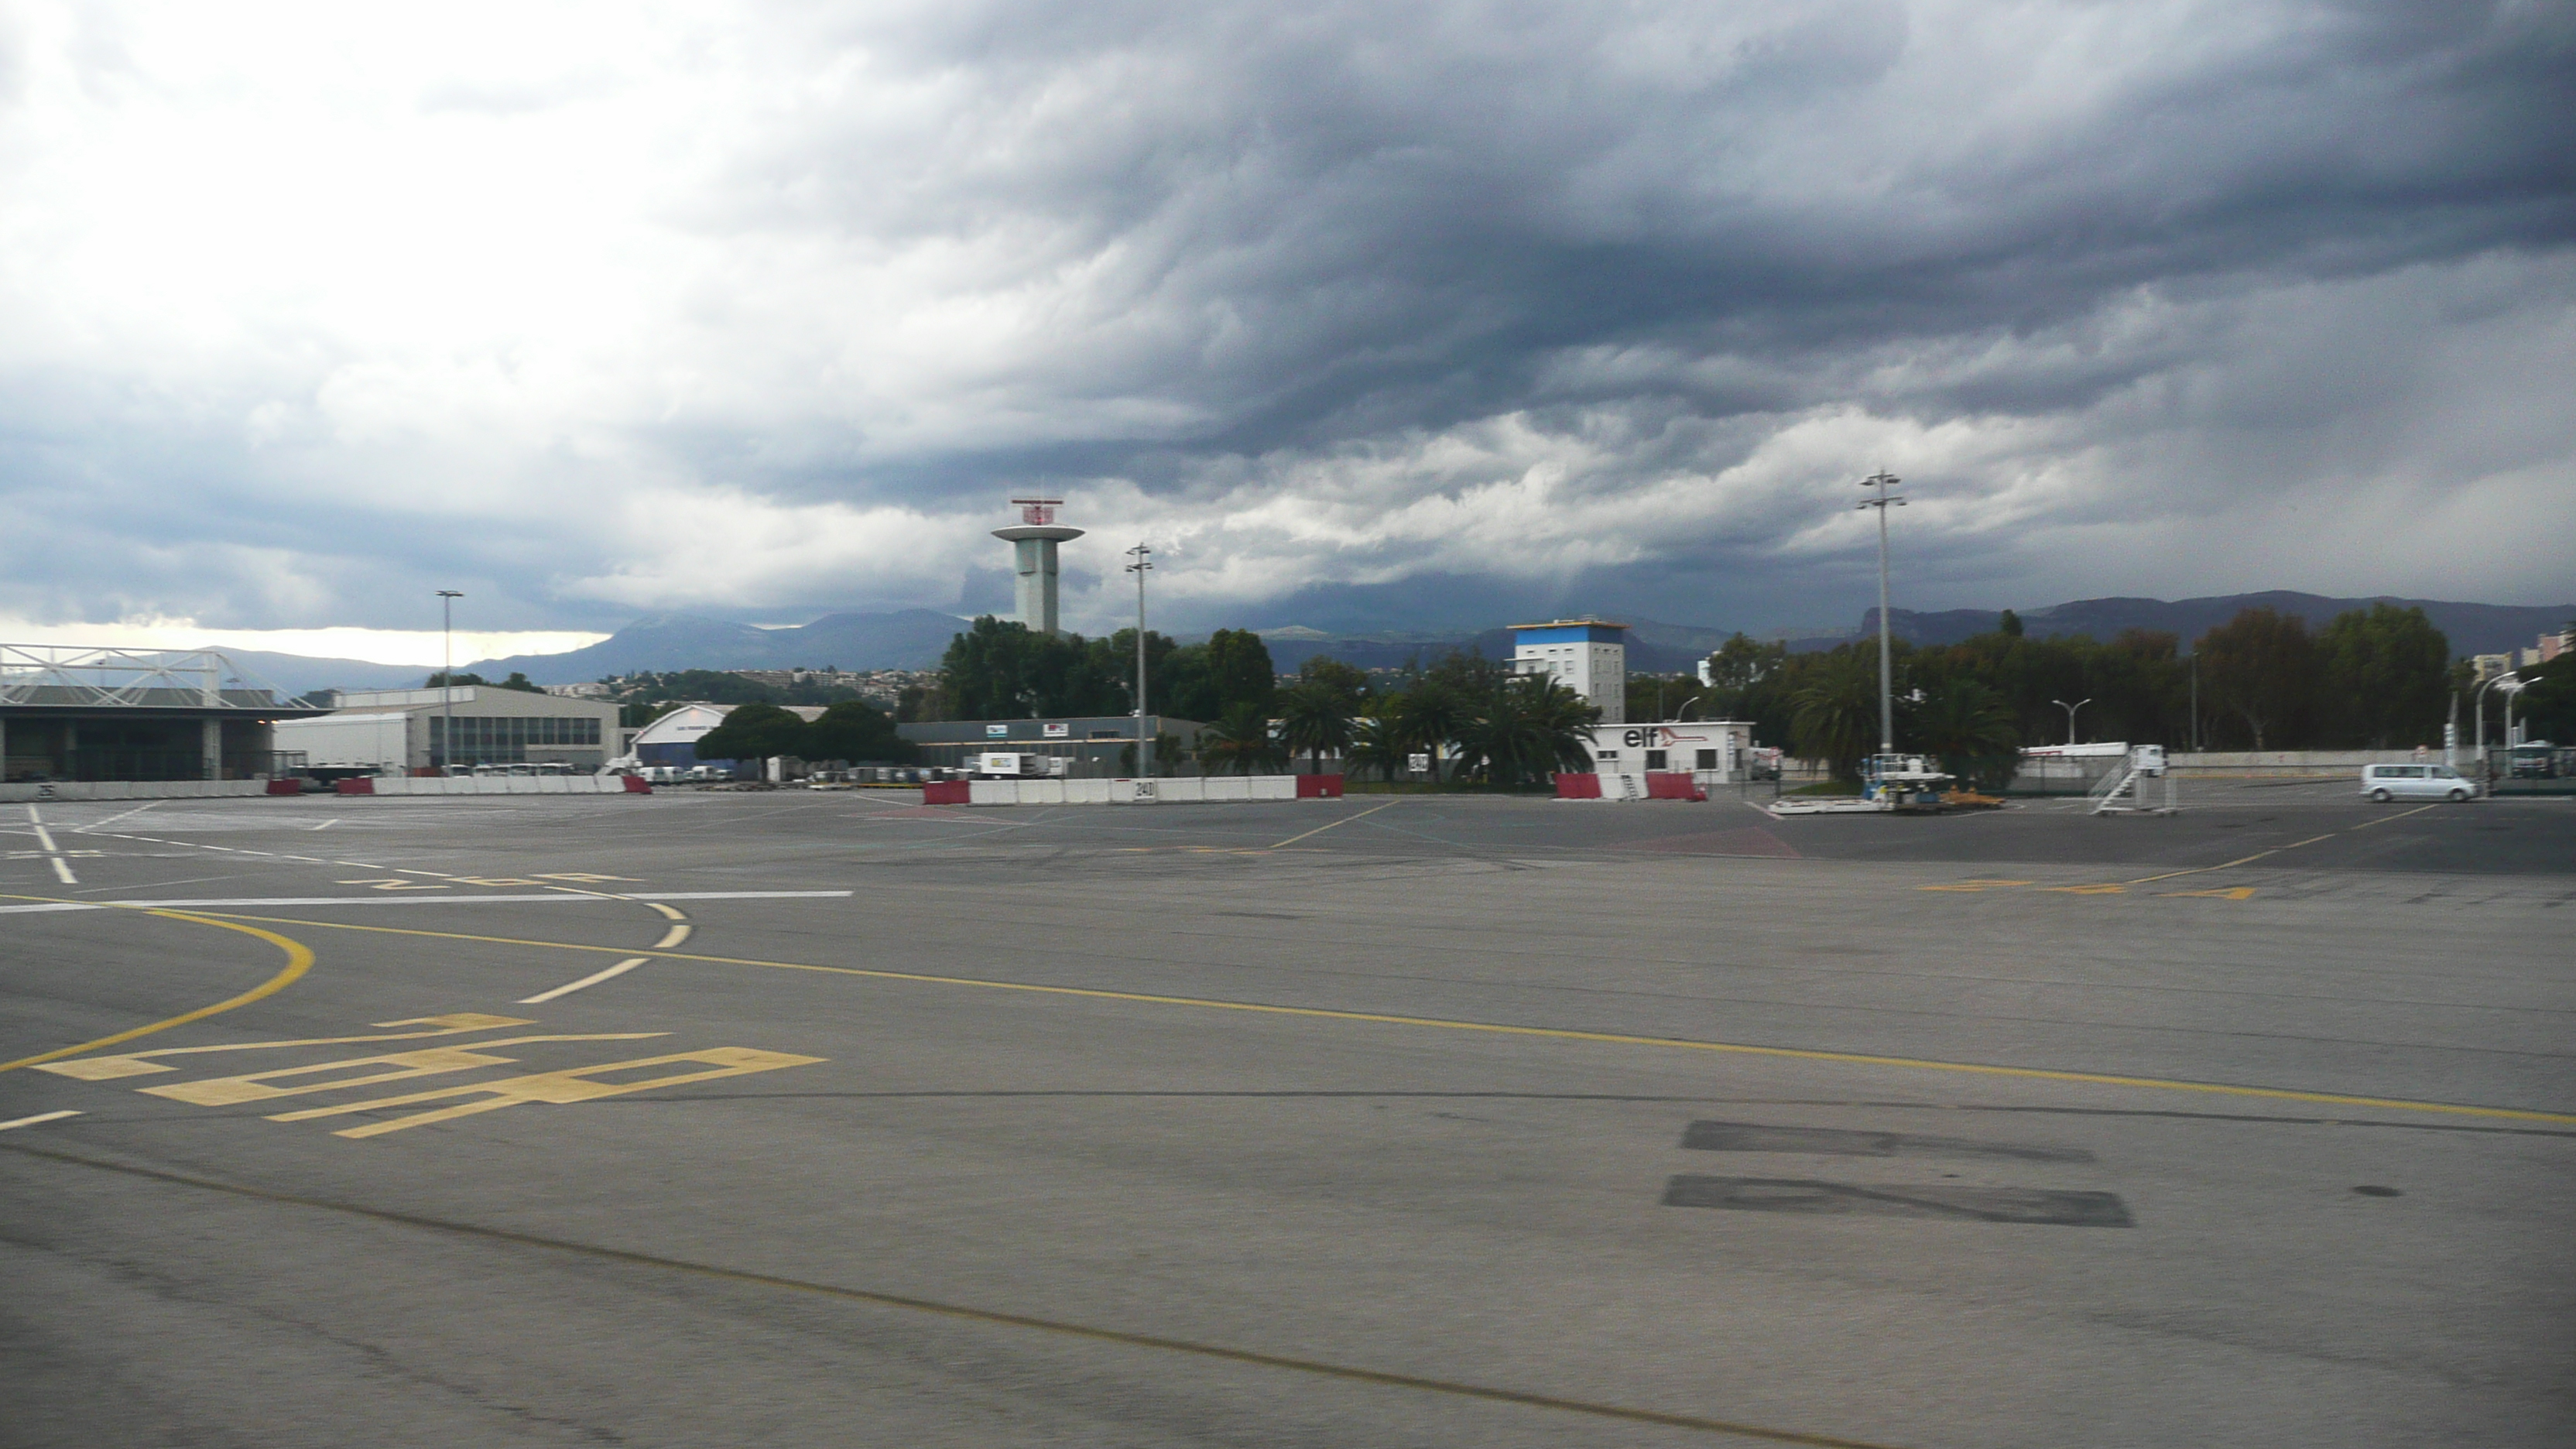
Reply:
x=2384, y=783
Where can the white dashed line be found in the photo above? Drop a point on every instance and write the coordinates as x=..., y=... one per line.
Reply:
x=32, y=1121
x=593, y=979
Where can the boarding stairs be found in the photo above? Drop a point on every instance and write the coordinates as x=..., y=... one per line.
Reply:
x=2124, y=791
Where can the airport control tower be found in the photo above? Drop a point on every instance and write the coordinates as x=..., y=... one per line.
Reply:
x=1036, y=536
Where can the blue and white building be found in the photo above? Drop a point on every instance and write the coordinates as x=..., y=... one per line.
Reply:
x=1588, y=656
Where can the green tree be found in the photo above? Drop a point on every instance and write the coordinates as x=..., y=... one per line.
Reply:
x=1345, y=680
x=1526, y=730
x=855, y=731
x=1428, y=716
x=1378, y=743
x=441, y=679
x=1968, y=726
x=2384, y=681
x=520, y=682
x=1000, y=669
x=2547, y=709
x=1835, y=710
x=1240, y=743
x=754, y=732
x=2259, y=670
x=2009, y=624
x=1315, y=716
x=1737, y=667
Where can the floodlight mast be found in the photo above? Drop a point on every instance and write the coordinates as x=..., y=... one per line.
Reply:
x=1144, y=563
x=447, y=678
x=1883, y=480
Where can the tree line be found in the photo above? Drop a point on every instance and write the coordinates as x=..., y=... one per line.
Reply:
x=850, y=731
x=2375, y=678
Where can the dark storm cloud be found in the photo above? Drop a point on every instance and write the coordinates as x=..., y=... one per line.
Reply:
x=1593, y=305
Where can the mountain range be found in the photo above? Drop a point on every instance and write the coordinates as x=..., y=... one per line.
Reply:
x=915, y=639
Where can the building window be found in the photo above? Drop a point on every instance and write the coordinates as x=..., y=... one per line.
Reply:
x=1655, y=759
x=1707, y=760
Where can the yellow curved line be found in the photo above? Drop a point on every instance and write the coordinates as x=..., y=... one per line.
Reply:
x=1673, y=1043
x=299, y=959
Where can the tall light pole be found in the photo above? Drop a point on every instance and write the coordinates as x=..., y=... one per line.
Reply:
x=2070, y=714
x=1144, y=563
x=1883, y=480
x=447, y=678
x=2478, y=710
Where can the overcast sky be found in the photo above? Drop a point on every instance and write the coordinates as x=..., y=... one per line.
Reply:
x=1408, y=314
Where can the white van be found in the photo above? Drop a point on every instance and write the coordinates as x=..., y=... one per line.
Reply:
x=2384, y=783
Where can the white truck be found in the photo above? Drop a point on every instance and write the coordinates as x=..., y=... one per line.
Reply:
x=1015, y=765
x=345, y=743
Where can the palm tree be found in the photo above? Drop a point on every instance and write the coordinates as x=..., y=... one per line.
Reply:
x=1529, y=727
x=1970, y=728
x=1377, y=744
x=1430, y=715
x=1834, y=716
x=1316, y=718
x=1240, y=742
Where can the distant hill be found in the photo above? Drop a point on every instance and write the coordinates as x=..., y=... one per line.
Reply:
x=915, y=639
x=294, y=674
x=907, y=639
x=2471, y=628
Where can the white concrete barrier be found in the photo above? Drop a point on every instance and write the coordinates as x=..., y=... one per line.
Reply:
x=39, y=791
x=1185, y=790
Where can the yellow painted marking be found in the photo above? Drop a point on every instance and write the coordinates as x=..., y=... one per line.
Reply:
x=2311, y=840
x=493, y=880
x=1977, y=885
x=420, y=1062
x=1344, y=1372
x=136, y=1064
x=407, y=870
x=2224, y=893
x=678, y=933
x=395, y=883
x=669, y=913
x=583, y=876
x=2042, y=1074
x=557, y=1088
x=593, y=979
x=1345, y=820
x=299, y=959
x=2105, y=889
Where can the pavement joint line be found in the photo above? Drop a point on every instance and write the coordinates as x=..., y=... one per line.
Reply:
x=1551, y=1033
x=299, y=959
x=1345, y=820
x=1348, y=1373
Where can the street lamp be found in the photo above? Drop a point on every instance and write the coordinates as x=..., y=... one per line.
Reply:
x=2070, y=714
x=1883, y=480
x=2478, y=709
x=447, y=678
x=1144, y=562
x=2513, y=686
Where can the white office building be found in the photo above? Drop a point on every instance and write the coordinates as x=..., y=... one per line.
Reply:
x=1587, y=656
x=400, y=730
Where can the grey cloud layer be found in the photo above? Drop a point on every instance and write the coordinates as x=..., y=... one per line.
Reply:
x=1591, y=304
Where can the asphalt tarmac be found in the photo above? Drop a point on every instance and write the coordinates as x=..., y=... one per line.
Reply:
x=822, y=1118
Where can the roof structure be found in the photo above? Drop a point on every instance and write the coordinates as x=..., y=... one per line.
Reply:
x=191, y=681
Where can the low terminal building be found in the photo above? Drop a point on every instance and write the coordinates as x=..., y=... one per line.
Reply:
x=1718, y=751
x=89, y=714
x=398, y=731
x=1095, y=745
